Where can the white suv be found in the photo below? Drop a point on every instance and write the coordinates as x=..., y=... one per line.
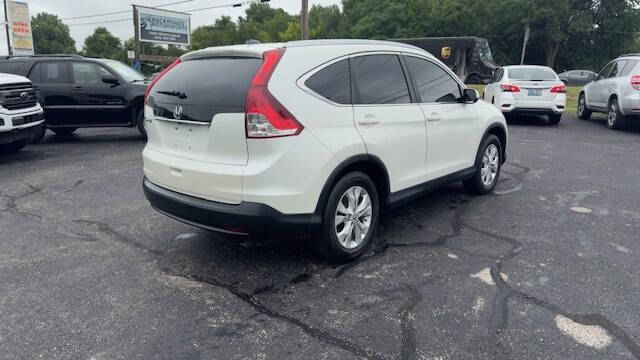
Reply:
x=21, y=117
x=312, y=137
x=528, y=89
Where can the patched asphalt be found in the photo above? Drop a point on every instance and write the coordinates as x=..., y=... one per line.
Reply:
x=545, y=268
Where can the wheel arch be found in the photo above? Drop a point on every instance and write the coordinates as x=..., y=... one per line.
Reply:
x=500, y=131
x=368, y=164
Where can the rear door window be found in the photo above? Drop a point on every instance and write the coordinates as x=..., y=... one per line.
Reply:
x=631, y=64
x=54, y=73
x=379, y=79
x=604, y=73
x=618, y=66
x=333, y=82
x=204, y=87
x=434, y=84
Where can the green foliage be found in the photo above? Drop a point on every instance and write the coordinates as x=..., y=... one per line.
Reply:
x=103, y=44
x=51, y=36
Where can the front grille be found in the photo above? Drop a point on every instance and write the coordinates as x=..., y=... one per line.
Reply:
x=21, y=120
x=18, y=86
x=17, y=96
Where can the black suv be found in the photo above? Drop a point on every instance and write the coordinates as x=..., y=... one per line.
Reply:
x=78, y=92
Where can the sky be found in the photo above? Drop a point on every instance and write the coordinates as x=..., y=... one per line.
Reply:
x=124, y=29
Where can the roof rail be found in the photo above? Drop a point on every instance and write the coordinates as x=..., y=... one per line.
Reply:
x=43, y=55
x=632, y=54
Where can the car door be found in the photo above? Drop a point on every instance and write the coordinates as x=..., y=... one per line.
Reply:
x=100, y=103
x=452, y=126
x=52, y=85
x=390, y=124
x=596, y=94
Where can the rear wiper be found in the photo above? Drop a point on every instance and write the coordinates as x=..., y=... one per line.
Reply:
x=178, y=94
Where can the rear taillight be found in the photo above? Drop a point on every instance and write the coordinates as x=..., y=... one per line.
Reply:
x=266, y=117
x=635, y=82
x=155, y=80
x=559, y=89
x=509, y=88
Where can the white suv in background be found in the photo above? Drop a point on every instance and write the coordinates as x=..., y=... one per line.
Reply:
x=615, y=92
x=528, y=89
x=21, y=117
x=312, y=137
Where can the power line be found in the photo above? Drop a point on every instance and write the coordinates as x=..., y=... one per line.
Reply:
x=101, y=22
x=123, y=11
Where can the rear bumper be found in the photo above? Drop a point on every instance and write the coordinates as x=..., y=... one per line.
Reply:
x=246, y=218
x=510, y=105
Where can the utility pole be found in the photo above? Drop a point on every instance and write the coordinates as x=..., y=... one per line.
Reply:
x=136, y=36
x=304, y=20
x=6, y=20
x=526, y=40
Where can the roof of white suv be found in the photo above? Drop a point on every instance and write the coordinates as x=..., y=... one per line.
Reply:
x=256, y=50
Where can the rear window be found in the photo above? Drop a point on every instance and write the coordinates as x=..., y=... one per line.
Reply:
x=631, y=64
x=333, y=82
x=532, y=74
x=204, y=88
x=11, y=67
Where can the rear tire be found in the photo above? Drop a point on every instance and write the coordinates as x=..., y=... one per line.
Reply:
x=583, y=111
x=554, y=119
x=349, y=219
x=488, y=165
x=140, y=123
x=14, y=146
x=38, y=134
x=64, y=131
x=615, y=119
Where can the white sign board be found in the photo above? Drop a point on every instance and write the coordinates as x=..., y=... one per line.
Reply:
x=162, y=26
x=131, y=54
x=20, y=28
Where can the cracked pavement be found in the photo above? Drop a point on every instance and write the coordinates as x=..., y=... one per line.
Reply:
x=544, y=268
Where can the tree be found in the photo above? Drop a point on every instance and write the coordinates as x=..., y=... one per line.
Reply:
x=103, y=44
x=50, y=35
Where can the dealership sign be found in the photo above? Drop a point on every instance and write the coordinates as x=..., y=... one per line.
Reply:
x=162, y=26
x=20, y=28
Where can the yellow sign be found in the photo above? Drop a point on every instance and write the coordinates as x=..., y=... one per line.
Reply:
x=20, y=22
x=446, y=52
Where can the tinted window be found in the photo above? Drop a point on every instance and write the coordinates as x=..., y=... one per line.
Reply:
x=89, y=74
x=54, y=73
x=34, y=75
x=204, y=87
x=433, y=83
x=618, y=66
x=333, y=82
x=124, y=70
x=532, y=74
x=631, y=64
x=604, y=73
x=11, y=67
x=379, y=79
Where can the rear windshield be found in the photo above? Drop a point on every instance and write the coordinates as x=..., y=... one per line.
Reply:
x=204, y=88
x=532, y=74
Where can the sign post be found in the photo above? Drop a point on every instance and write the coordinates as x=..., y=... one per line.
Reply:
x=21, y=38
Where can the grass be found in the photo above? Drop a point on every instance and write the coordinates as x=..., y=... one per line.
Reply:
x=572, y=97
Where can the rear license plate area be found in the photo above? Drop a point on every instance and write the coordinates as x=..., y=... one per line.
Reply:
x=535, y=92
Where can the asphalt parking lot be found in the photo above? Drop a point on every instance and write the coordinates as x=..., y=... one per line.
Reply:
x=545, y=268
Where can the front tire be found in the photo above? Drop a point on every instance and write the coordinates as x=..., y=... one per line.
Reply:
x=615, y=119
x=488, y=165
x=350, y=218
x=583, y=111
x=64, y=131
x=38, y=134
x=14, y=146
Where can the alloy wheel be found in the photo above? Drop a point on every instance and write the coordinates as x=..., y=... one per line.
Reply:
x=353, y=216
x=490, y=164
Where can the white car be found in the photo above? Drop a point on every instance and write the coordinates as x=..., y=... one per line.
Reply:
x=312, y=137
x=21, y=117
x=527, y=89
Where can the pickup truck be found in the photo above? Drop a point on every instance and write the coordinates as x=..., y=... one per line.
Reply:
x=21, y=117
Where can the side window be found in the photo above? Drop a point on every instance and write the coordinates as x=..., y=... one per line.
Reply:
x=433, y=83
x=618, y=66
x=54, y=73
x=604, y=73
x=89, y=74
x=35, y=73
x=379, y=79
x=631, y=64
x=333, y=82
x=498, y=75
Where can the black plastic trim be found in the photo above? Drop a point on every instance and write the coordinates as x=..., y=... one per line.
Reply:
x=403, y=196
x=246, y=218
x=17, y=135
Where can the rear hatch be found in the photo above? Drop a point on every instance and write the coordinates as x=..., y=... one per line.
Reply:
x=535, y=83
x=197, y=135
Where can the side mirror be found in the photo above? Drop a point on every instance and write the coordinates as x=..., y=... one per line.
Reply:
x=110, y=79
x=470, y=96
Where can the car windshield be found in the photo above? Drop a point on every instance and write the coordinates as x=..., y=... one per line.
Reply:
x=125, y=71
x=484, y=51
x=532, y=74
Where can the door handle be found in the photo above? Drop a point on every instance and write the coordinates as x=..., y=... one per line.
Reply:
x=78, y=88
x=434, y=116
x=368, y=119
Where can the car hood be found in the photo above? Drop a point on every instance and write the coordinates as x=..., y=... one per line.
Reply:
x=11, y=79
